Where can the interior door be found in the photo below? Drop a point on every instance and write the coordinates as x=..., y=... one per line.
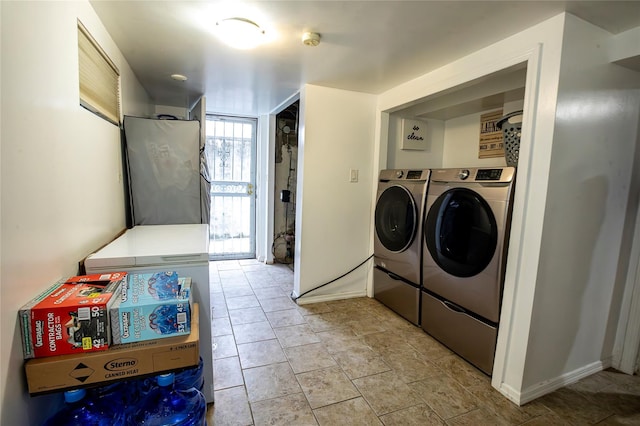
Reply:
x=231, y=153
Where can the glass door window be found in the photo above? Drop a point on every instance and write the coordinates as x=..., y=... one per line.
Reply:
x=230, y=149
x=461, y=232
x=396, y=219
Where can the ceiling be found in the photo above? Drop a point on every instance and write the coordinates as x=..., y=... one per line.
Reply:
x=366, y=46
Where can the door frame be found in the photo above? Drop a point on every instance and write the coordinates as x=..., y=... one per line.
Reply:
x=253, y=181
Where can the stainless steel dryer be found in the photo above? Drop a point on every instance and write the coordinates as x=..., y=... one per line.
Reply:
x=466, y=232
x=398, y=240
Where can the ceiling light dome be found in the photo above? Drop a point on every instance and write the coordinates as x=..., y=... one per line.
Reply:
x=240, y=33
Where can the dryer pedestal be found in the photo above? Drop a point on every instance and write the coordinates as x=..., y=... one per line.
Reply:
x=397, y=294
x=467, y=336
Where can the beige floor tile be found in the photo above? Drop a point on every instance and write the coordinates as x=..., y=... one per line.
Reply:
x=445, y=396
x=287, y=410
x=296, y=335
x=327, y=321
x=261, y=353
x=227, y=373
x=279, y=303
x=221, y=326
x=219, y=307
x=354, y=412
x=327, y=386
x=496, y=402
x=425, y=344
x=387, y=342
x=253, y=332
x=270, y=381
x=461, y=370
x=314, y=308
x=242, y=302
x=247, y=315
x=418, y=415
x=365, y=326
x=549, y=419
x=224, y=347
x=231, y=408
x=309, y=357
x=410, y=366
x=360, y=362
x=260, y=280
x=341, y=339
x=574, y=407
x=479, y=416
x=268, y=292
x=285, y=318
x=386, y=393
x=237, y=290
x=354, y=339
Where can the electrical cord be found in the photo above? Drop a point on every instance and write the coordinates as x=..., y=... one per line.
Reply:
x=333, y=280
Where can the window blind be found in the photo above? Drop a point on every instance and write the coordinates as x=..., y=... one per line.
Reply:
x=99, y=78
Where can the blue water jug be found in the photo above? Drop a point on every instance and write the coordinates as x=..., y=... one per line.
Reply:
x=123, y=396
x=168, y=406
x=191, y=377
x=78, y=410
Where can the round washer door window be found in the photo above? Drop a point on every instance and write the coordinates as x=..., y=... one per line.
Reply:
x=396, y=218
x=461, y=232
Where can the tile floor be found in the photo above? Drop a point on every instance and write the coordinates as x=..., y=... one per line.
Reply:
x=355, y=362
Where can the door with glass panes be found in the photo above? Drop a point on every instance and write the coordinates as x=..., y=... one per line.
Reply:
x=230, y=149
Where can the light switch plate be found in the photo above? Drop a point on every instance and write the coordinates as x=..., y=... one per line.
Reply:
x=353, y=175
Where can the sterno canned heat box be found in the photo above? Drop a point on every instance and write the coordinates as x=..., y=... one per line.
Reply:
x=119, y=362
x=71, y=316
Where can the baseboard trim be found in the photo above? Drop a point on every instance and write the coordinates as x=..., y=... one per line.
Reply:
x=331, y=297
x=548, y=386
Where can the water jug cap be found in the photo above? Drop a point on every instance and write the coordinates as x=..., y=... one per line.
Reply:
x=74, y=395
x=165, y=379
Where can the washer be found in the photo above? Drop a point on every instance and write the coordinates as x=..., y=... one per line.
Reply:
x=466, y=231
x=398, y=240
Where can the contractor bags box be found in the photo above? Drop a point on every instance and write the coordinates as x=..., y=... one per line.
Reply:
x=119, y=362
x=71, y=316
x=140, y=315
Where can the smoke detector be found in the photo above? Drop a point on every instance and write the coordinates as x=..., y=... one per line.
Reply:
x=311, y=39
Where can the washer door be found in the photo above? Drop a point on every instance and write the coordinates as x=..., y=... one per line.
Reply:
x=461, y=232
x=396, y=218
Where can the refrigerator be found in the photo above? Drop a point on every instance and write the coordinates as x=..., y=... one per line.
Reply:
x=166, y=172
x=183, y=248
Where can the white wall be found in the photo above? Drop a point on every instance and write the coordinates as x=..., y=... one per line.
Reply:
x=429, y=158
x=333, y=226
x=579, y=287
x=62, y=194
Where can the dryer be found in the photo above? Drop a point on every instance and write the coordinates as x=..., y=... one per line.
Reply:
x=466, y=232
x=398, y=240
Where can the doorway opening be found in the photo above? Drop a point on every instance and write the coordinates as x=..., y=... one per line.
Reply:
x=230, y=149
x=286, y=164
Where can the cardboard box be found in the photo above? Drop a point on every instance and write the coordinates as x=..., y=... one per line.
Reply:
x=71, y=316
x=137, y=315
x=151, y=357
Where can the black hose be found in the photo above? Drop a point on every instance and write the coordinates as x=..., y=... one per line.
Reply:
x=333, y=280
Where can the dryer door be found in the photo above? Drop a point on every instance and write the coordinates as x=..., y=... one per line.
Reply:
x=396, y=219
x=461, y=232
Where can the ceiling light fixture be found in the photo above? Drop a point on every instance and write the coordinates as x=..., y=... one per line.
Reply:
x=311, y=39
x=179, y=77
x=240, y=33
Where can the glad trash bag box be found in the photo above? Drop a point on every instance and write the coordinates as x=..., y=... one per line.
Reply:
x=71, y=316
x=152, y=306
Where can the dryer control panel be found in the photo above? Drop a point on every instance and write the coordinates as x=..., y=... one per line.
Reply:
x=488, y=174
